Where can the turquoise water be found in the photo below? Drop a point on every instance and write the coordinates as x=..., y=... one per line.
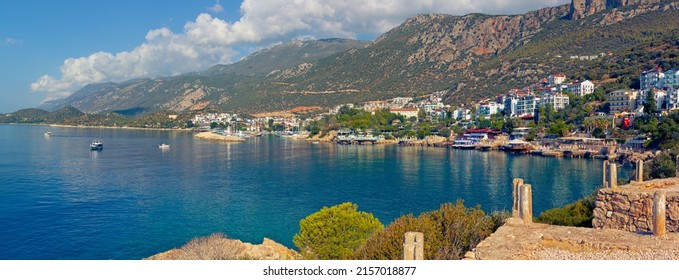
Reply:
x=59, y=200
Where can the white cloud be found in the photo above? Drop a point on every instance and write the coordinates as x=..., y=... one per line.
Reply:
x=216, y=8
x=12, y=41
x=207, y=40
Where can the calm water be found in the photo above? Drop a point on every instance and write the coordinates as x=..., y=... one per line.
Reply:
x=59, y=200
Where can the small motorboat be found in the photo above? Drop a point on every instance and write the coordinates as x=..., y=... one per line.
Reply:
x=48, y=134
x=164, y=146
x=97, y=145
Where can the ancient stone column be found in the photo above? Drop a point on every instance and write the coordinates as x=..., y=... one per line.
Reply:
x=517, y=183
x=605, y=183
x=413, y=247
x=659, y=203
x=526, y=204
x=613, y=176
x=640, y=171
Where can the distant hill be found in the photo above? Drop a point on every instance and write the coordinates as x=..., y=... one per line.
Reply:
x=472, y=57
x=40, y=116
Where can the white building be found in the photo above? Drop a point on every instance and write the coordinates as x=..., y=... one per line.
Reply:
x=462, y=114
x=651, y=79
x=488, y=108
x=527, y=104
x=556, y=79
x=660, y=97
x=405, y=112
x=510, y=108
x=671, y=78
x=672, y=99
x=581, y=89
x=558, y=101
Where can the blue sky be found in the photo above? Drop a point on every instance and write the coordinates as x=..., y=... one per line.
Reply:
x=50, y=49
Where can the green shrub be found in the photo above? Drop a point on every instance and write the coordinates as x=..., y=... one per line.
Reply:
x=449, y=233
x=578, y=214
x=335, y=232
x=387, y=244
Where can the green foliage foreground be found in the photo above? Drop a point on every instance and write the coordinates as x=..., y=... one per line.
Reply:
x=334, y=232
x=577, y=214
x=449, y=233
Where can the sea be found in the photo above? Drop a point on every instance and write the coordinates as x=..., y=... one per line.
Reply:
x=60, y=200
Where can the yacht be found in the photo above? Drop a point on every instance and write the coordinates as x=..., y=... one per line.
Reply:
x=97, y=145
x=164, y=146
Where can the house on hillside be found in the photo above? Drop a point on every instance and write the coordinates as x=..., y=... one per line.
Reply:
x=652, y=79
x=406, y=112
x=556, y=79
x=558, y=101
x=624, y=100
x=581, y=89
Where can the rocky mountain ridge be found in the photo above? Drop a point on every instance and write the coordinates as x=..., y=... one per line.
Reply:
x=582, y=8
x=470, y=56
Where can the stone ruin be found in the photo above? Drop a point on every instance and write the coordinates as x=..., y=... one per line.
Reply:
x=642, y=207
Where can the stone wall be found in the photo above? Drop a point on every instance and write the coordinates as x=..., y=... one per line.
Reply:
x=630, y=207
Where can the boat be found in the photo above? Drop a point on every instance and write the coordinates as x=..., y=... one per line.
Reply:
x=469, y=141
x=164, y=146
x=464, y=144
x=48, y=134
x=96, y=145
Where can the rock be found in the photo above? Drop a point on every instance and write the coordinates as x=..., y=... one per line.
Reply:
x=217, y=246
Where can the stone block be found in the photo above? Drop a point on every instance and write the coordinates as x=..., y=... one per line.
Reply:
x=673, y=211
x=620, y=204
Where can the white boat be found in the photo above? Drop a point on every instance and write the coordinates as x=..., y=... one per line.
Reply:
x=97, y=145
x=469, y=141
x=48, y=134
x=164, y=146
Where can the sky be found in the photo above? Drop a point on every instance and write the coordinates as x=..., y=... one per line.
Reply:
x=50, y=49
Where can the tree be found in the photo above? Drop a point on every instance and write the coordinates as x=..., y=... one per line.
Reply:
x=213, y=125
x=335, y=232
x=650, y=107
x=559, y=128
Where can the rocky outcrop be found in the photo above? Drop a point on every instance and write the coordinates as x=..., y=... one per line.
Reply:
x=584, y=8
x=630, y=207
x=218, y=247
x=210, y=136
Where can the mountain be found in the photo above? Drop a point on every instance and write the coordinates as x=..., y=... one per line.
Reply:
x=195, y=91
x=471, y=57
x=583, y=8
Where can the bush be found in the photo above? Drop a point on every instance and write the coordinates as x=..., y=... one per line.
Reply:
x=335, y=232
x=578, y=214
x=449, y=233
x=387, y=244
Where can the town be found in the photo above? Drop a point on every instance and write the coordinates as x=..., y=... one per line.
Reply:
x=522, y=119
